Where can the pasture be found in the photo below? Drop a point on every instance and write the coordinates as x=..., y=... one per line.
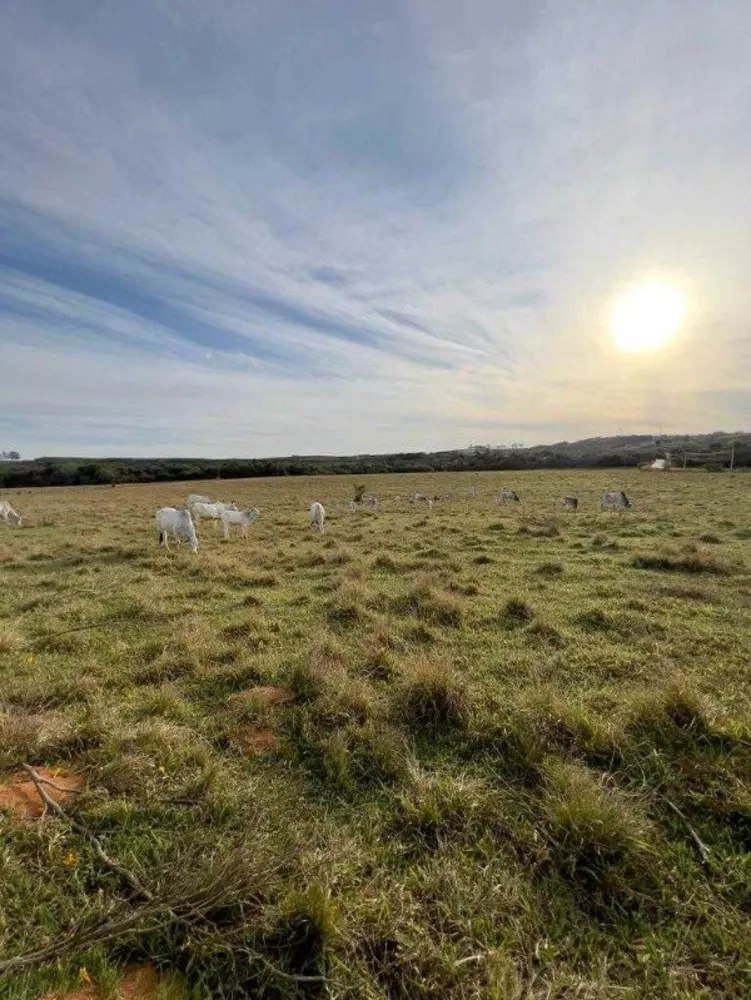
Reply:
x=472, y=752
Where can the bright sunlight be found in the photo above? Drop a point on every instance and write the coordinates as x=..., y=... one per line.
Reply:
x=647, y=318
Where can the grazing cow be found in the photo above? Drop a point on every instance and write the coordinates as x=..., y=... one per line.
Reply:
x=507, y=496
x=317, y=516
x=352, y=506
x=242, y=517
x=197, y=498
x=210, y=511
x=570, y=503
x=615, y=500
x=179, y=524
x=8, y=514
x=417, y=497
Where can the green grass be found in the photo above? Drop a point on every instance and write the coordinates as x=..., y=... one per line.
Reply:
x=488, y=739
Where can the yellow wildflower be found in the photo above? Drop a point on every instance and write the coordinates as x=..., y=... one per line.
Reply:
x=83, y=975
x=70, y=860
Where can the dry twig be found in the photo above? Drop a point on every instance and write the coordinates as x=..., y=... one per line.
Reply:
x=699, y=844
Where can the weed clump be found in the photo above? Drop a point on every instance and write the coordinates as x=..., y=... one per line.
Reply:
x=425, y=602
x=306, y=931
x=688, y=563
x=593, y=620
x=673, y=714
x=516, y=612
x=550, y=570
x=381, y=666
x=434, y=696
x=598, y=838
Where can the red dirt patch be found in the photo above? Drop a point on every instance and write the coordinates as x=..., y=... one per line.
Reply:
x=19, y=797
x=263, y=695
x=140, y=982
x=255, y=740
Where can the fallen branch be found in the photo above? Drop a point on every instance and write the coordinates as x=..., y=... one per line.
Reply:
x=137, y=922
x=133, y=881
x=145, y=620
x=154, y=913
x=699, y=844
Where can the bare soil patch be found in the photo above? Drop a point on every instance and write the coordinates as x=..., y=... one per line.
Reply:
x=263, y=695
x=255, y=739
x=140, y=982
x=19, y=797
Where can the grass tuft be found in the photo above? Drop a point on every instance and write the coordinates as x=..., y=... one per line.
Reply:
x=433, y=696
x=680, y=564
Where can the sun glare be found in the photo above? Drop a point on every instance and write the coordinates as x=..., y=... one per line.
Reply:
x=647, y=318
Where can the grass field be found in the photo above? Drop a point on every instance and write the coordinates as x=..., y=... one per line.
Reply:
x=481, y=752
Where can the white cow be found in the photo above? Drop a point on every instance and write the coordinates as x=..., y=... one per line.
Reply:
x=352, y=506
x=430, y=504
x=8, y=514
x=507, y=496
x=242, y=517
x=197, y=498
x=317, y=516
x=372, y=502
x=210, y=511
x=615, y=500
x=179, y=524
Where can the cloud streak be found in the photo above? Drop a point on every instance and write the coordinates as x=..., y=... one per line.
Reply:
x=259, y=229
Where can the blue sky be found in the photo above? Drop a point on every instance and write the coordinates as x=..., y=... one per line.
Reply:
x=273, y=227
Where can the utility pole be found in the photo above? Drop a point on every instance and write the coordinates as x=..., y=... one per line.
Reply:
x=732, y=456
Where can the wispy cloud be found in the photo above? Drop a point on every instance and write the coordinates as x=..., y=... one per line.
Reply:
x=271, y=228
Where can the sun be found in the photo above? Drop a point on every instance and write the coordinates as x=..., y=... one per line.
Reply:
x=647, y=317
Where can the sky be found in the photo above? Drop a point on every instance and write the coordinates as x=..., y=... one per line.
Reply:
x=271, y=227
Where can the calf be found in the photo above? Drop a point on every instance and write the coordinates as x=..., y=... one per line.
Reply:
x=197, y=498
x=210, y=511
x=242, y=517
x=179, y=524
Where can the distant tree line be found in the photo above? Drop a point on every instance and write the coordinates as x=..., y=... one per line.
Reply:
x=594, y=453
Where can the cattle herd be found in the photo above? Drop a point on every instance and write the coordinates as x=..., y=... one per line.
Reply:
x=180, y=522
